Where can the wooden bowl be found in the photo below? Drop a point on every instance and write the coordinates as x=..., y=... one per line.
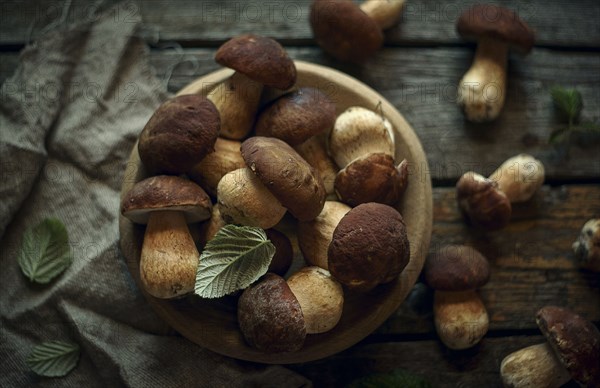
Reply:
x=213, y=324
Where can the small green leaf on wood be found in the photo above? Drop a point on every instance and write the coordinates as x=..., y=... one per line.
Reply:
x=235, y=258
x=45, y=252
x=567, y=101
x=559, y=135
x=54, y=358
x=393, y=379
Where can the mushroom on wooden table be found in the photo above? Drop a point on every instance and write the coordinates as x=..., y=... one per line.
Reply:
x=482, y=90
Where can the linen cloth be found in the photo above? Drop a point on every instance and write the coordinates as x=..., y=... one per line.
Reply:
x=69, y=117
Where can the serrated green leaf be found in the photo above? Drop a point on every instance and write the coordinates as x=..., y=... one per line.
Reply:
x=393, y=379
x=568, y=102
x=235, y=258
x=45, y=252
x=54, y=358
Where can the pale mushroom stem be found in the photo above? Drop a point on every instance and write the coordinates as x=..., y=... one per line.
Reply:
x=384, y=12
x=534, y=366
x=482, y=89
x=237, y=100
x=519, y=177
x=314, y=151
x=169, y=257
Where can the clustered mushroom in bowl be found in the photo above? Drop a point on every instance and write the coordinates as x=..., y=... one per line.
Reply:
x=324, y=164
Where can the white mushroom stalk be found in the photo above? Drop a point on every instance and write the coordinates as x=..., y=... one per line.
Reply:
x=534, y=366
x=385, y=13
x=169, y=256
x=482, y=90
x=237, y=100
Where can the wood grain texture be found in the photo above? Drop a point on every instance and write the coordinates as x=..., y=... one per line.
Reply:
x=532, y=263
x=429, y=359
x=210, y=22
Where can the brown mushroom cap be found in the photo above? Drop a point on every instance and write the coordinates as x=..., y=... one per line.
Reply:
x=297, y=116
x=284, y=252
x=575, y=340
x=259, y=58
x=165, y=192
x=290, y=178
x=369, y=247
x=270, y=316
x=482, y=202
x=488, y=20
x=180, y=133
x=373, y=178
x=342, y=29
x=456, y=268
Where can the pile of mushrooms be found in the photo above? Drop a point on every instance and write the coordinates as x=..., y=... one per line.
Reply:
x=232, y=158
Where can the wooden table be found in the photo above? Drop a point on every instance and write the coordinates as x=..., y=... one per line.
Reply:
x=417, y=71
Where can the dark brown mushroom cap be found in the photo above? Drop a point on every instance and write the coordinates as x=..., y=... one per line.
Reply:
x=369, y=247
x=290, y=178
x=270, y=316
x=297, y=116
x=373, y=178
x=487, y=20
x=166, y=192
x=456, y=268
x=482, y=202
x=575, y=340
x=343, y=30
x=259, y=58
x=284, y=252
x=180, y=133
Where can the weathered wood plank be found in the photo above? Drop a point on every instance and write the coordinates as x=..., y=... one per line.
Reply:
x=210, y=22
x=421, y=83
x=477, y=367
x=532, y=261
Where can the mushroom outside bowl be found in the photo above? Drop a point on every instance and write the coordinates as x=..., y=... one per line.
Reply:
x=212, y=323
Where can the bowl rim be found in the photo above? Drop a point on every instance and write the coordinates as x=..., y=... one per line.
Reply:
x=177, y=312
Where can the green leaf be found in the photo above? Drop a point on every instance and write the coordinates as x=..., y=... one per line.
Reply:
x=558, y=136
x=45, y=252
x=393, y=379
x=54, y=358
x=567, y=101
x=235, y=258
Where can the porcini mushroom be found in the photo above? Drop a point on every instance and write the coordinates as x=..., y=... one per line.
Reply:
x=455, y=272
x=572, y=351
x=225, y=158
x=587, y=246
x=270, y=316
x=169, y=258
x=258, y=61
x=297, y=116
x=369, y=247
x=482, y=90
x=320, y=296
x=286, y=174
x=350, y=32
x=180, y=133
x=362, y=144
x=315, y=236
x=486, y=202
x=284, y=252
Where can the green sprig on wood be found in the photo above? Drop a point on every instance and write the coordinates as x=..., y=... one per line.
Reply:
x=569, y=105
